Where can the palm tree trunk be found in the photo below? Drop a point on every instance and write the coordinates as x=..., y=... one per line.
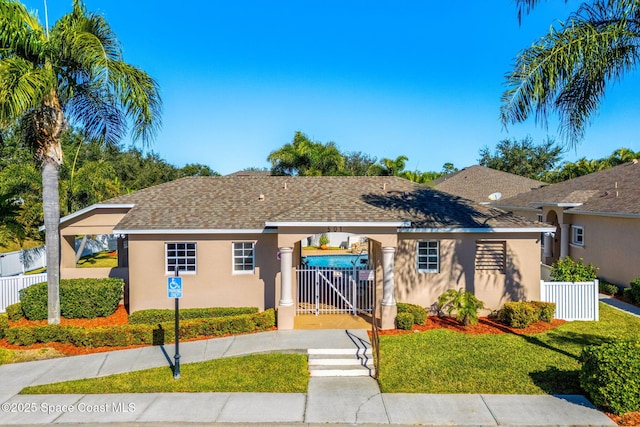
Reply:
x=51, y=208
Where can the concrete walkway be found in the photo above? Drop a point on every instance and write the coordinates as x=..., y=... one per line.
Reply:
x=328, y=400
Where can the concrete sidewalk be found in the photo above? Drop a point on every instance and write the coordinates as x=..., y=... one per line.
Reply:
x=328, y=400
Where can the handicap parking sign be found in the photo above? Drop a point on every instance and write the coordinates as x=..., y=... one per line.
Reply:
x=174, y=287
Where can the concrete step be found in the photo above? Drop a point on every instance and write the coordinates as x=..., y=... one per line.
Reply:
x=340, y=363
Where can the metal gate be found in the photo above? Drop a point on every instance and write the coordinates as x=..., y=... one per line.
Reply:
x=330, y=290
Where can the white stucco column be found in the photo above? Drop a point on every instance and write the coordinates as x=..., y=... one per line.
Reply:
x=548, y=245
x=388, y=309
x=286, y=308
x=564, y=240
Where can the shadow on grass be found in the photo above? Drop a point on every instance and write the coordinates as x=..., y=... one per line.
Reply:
x=559, y=341
x=557, y=381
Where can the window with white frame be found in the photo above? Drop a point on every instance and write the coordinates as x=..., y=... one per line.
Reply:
x=181, y=256
x=429, y=256
x=243, y=257
x=577, y=235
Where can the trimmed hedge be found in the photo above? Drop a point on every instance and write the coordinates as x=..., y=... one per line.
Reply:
x=123, y=335
x=634, y=291
x=79, y=298
x=4, y=325
x=404, y=320
x=155, y=316
x=610, y=374
x=418, y=314
x=14, y=312
x=607, y=288
x=521, y=314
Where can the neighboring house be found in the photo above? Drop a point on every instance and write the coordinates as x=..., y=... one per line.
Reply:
x=484, y=185
x=237, y=241
x=596, y=216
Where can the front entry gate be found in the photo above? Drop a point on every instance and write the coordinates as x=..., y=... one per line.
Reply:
x=331, y=290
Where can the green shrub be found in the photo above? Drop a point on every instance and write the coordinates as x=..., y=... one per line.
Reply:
x=634, y=290
x=404, y=320
x=155, y=316
x=4, y=325
x=607, y=288
x=464, y=304
x=419, y=313
x=610, y=374
x=123, y=335
x=14, y=312
x=79, y=298
x=518, y=314
x=34, y=301
x=544, y=310
x=568, y=270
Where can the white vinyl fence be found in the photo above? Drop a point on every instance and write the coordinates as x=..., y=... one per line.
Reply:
x=18, y=262
x=574, y=300
x=10, y=287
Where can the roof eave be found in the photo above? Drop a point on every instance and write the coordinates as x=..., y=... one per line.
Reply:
x=191, y=231
x=337, y=224
x=479, y=230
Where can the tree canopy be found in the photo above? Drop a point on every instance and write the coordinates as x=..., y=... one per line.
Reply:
x=522, y=157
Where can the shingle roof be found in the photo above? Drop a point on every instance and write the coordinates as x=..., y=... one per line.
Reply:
x=247, y=202
x=478, y=182
x=614, y=191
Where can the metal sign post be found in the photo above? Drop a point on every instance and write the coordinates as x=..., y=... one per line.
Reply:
x=174, y=290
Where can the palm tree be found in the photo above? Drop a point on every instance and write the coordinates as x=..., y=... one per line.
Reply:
x=568, y=69
x=390, y=167
x=72, y=73
x=306, y=158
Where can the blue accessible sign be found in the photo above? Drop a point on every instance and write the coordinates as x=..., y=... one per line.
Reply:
x=174, y=287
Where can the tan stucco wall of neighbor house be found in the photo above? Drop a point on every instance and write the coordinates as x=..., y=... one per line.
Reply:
x=521, y=280
x=611, y=244
x=214, y=284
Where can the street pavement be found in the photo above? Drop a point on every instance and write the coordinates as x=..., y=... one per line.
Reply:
x=329, y=400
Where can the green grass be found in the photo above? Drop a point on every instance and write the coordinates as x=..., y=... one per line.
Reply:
x=273, y=373
x=98, y=260
x=443, y=361
x=16, y=356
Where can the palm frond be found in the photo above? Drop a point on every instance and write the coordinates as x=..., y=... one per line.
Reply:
x=568, y=69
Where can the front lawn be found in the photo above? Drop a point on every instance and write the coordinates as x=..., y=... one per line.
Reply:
x=269, y=373
x=444, y=361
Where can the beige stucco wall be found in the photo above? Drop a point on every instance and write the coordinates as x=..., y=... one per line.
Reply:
x=611, y=244
x=97, y=221
x=521, y=281
x=214, y=284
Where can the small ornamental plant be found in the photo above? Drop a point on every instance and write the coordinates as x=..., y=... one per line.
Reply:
x=464, y=304
x=324, y=241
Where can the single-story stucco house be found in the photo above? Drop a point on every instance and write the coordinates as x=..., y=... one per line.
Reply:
x=236, y=241
x=596, y=217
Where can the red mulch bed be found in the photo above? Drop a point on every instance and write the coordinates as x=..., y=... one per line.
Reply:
x=484, y=326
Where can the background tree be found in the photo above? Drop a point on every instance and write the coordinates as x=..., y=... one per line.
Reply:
x=568, y=69
x=75, y=73
x=390, y=167
x=358, y=163
x=522, y=157
x=305, y=157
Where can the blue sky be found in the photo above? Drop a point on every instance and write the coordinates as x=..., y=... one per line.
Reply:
x=418, y=78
